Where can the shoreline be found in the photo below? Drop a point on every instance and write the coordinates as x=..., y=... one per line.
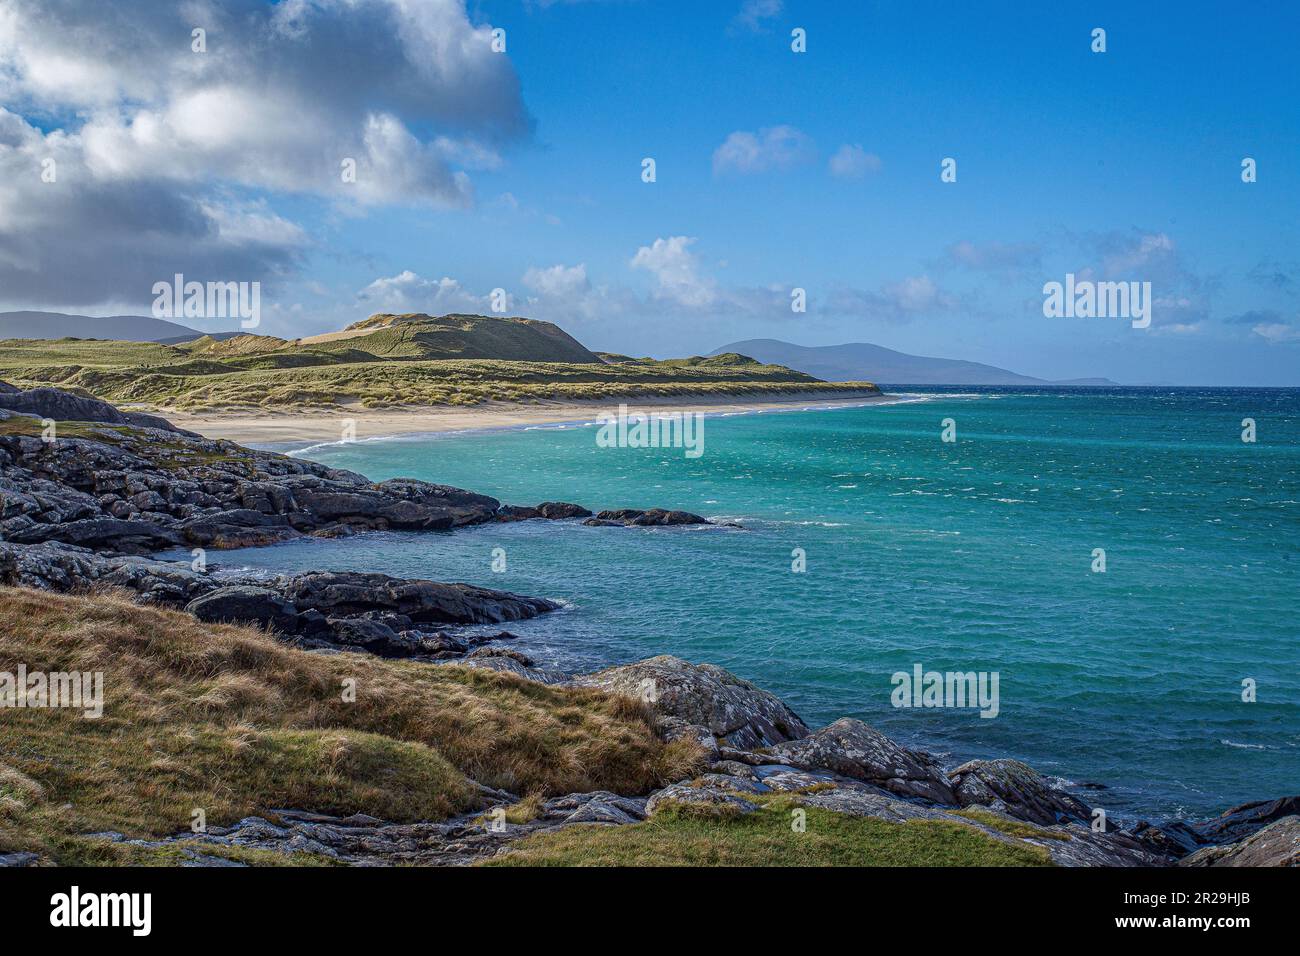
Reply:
x=326, y=425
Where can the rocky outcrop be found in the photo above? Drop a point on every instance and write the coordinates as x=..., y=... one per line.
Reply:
x=374, y=613
x=654, y=517
x=56, y=404
x=1018, y=790
x=1277, y=844
x=120, y=481
x=550, y=510
x=851, y=749
x=1243, y=820
x=731, y=710
x=362, y=840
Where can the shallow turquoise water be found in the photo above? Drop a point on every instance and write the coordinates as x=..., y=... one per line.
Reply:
x=966, y=556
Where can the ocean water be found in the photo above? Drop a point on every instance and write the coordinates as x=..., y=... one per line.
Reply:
x=974, y=555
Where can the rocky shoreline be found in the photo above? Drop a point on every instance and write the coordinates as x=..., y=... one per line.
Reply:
x=84, y=505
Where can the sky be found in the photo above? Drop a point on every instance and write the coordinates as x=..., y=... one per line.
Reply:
x=523, y=170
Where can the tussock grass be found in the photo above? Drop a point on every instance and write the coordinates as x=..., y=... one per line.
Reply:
x=227, y=719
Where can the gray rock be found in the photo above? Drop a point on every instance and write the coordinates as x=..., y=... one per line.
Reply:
x=633, y=517
x=1277, y=844
x=244, y=604
x=851, y=749
x=1017, y=789
x=735, y=711
x=66, y=407
x=717, y=795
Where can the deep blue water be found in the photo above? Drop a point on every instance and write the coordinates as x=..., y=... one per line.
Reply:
x=968, y=556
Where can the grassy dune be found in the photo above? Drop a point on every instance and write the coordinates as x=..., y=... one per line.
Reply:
x=228, y=719
x=400, y=361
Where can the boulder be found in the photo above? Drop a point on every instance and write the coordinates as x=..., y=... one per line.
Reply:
x=734, y=710
x=852, y=749
x=244, y=604
x=560, y=510
x=1017, y=789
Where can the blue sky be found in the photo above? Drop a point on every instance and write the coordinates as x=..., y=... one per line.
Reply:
x=525, y=175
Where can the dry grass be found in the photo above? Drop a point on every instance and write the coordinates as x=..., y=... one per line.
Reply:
x=227, y=719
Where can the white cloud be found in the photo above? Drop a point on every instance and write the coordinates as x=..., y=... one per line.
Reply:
x=853, y=162
x=409, y=292
x=773, y=148
x=676, y=272
x=558, y=280
x=155, y=144
x=1277, y=332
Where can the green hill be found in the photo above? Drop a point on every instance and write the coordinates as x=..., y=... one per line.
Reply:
x=385, y=361
x=416, y=335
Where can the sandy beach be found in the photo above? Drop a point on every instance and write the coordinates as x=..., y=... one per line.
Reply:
x=263, y=428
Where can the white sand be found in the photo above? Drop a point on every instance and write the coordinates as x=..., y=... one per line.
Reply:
x=327, y=425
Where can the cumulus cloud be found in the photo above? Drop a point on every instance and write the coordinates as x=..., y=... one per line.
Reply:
x=853, y=162
x=558, y=280
x=677, y=274
x=157, y=146
x=773, y=148
x=409, y=292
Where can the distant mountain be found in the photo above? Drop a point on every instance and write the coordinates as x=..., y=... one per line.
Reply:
x=122, y=328
x=860, y=361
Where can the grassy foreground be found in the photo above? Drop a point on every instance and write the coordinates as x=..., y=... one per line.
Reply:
x=682, y=835
x=226, y=719
x=383, y=362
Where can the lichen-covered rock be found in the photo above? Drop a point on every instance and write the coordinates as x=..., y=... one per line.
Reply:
x=852, y=749
x=1017, y=789
x=717, y=793
x=1277, y=844
x=735, y=711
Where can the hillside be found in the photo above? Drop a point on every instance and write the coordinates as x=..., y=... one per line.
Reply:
x=60, y=325
x=229, y=719
x=416, y=335
x=385, y=361
x=861, y=360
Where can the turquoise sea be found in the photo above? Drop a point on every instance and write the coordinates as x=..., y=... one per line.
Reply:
x=974, y=555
